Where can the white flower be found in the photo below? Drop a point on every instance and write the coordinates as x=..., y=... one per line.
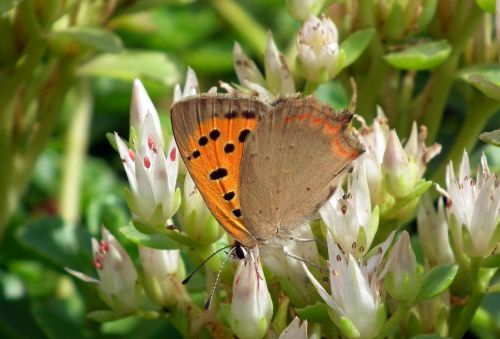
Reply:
x=295, y=330
x=375, y=139
x=251, y=306
x=191, y=86
x=288, y=270
x=403, y=168
x=318, y=49
x=474, y=208
x=151, y=173
x=118, y=284
x=163, y=275
x=199, y=224
x=245, y=68
x=348, y=216
x=278, y=77
x=402, y=275
x=355, y=303
x=433, y=232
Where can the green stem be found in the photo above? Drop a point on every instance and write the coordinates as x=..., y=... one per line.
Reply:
x=475, y=299
x=375, y=68
x=76, y=145
x=481, y=109
x=250, y=30
x=429, y=107
x=26, y=148
x=393, y=323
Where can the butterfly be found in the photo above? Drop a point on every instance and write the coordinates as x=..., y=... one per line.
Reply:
x=263, y=169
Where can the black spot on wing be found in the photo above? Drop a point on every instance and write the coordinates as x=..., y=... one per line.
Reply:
x=229, y=196
x=218, y=174
x=237, y=212
x=203, y=141
x=243, y=135
x=229, y=148
x=231, y=115
x=214, y=134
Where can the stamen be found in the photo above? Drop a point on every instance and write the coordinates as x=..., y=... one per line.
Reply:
x=98, y=263
x=152, y=144
x=147, y=162
x=173, y=154
x=104, y=248
x=131, y=154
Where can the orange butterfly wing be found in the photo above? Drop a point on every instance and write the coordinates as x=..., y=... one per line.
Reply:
x=210, y=132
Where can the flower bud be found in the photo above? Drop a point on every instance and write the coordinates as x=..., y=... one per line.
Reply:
x=302, y=9
x=251, y=306
x=403, y=277
x=118, y=285
x=433, y=233
x=400, y=174
x=319, y=58
x=288, y=270
x=199, y=224
x=163, y=274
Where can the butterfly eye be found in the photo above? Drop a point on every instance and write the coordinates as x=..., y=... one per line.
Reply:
x=240, y=254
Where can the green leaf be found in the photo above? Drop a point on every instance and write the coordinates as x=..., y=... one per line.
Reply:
x=487, y=5
x=133, y=64
x=436, y=281
x=492, y=137
x=315, y=313
x=160, y=239
x=59, y=243
x=97, y=38
x=355, y=44
x=60, y=318
x=424, y=56
x=485, y=78
x=491, y=261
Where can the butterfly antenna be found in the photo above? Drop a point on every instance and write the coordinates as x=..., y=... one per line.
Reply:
x=185, y=281
x=305, y=261
x=209, y=300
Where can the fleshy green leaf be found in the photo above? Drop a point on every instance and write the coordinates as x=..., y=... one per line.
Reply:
x=420, y=57
x=133, y=64
x=491, y=261
x=355, y=44
x=485, y=78
x=436, y=281
x=61, y=244
x=162, y=239
x=315, y=313
x=98, y=38
x=492, y=137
